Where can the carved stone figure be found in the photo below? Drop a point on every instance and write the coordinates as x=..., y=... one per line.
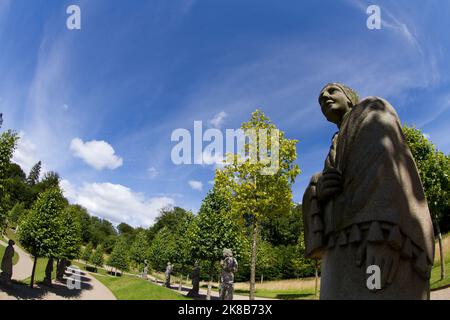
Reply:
x=61, y=269
x=48, y=272
x=229, y=267
x=7, y=263
x=195, y=281
x=145, y=272
x=367, y=207
x=169, y=269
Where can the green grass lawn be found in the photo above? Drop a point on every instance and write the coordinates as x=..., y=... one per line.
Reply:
x=280, y=294
x=435, y=281
x=2, y=252
x=39, y=274
x=133, y=288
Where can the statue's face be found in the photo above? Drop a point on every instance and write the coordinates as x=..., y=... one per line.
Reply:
x=334, y=103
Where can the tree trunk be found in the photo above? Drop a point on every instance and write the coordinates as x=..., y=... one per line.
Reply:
x=32, y=272
x=441, y=251
x=262, y=278
x=208, y=293
x=316, y=280
x=253, y=262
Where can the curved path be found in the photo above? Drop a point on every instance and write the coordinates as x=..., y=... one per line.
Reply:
x=443, y=294
x=86, y=286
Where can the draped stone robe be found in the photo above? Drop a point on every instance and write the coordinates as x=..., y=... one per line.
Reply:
x=382, y=202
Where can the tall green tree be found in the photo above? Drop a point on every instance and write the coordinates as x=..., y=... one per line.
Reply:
x=87, y=253
x=40, y=232
x=139, y=248
x=8, y=143
x=213, y=230
x=70, y=244
x=119, y=258
x=98, y=258
x=35, y=172
x=260, y=193
x=162, y=249
x=434, y=171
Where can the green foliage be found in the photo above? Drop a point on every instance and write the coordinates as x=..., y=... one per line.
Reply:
x=87, y=253
x=163, y=249
x=119, y=258
x=214, y=229
x=98, y=257
x=70, y=245
x=16, y=214
x=35, y=172
x=40, y=231
x=169, y=219
x=434, y=170
x=8, y=143
x=139, y=249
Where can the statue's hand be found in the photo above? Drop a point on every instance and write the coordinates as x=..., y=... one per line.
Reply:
x=329, y=185
x=385, y=257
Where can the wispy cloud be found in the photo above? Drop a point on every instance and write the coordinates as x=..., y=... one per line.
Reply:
x=196, y=185
x=218, y=120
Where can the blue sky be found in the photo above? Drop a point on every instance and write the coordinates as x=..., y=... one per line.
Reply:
x=98, y=105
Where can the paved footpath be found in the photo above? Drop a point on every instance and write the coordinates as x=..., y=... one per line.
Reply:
x=89, y=287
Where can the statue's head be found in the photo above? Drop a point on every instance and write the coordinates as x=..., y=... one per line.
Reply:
x=336, y=100
x=11, y=242
x=168, y=264
x=227, y=253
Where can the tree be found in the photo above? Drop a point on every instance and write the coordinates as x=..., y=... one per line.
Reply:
x=213, y=230
x=15, y=214
x=119, y=258
x=259, y=193
x=40, y=231
x=98, y=257
x=139, y=249
x=169, y=219
x=87, y=253
x=70, y=235
x=35, y=172
x=163, y=249
x=434, y=171
x=8, y=143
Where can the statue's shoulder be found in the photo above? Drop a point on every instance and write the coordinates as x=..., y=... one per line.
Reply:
x=378, y=105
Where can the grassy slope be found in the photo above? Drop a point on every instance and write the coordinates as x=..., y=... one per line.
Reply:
x=436, y=271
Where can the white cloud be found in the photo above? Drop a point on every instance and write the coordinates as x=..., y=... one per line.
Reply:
x=98, y=154
x=152, y=172
x=218, y=119
x=117, y=203
x=26, y=154
x=196, y=185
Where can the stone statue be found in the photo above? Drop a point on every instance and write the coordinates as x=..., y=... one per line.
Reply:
x=48, y=272
x=7, y=263
x=145, y=273
x=367, y=207
x=229, y=267
x=61, y=269
x=195, y=281
x=169, y=269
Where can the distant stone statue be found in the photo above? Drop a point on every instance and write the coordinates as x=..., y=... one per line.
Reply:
x=7, y=263
x=229, y=267
x=145, y=272
x=169, y=269
x=365, y=214
x=195, y=281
